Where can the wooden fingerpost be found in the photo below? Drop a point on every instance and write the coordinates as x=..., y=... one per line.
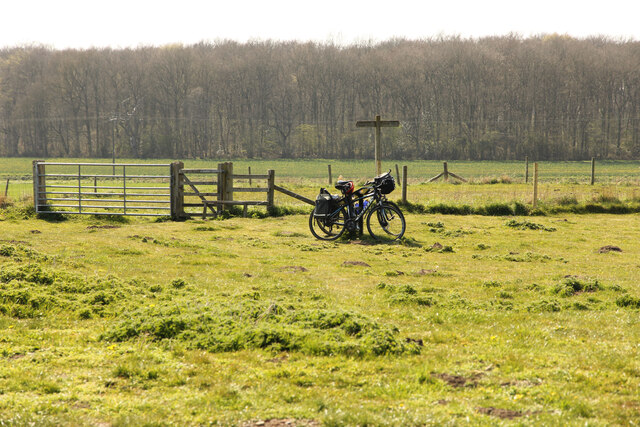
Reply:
x=526, y=169
x=535, y=185
x=593, y=170
x=177, y=190
x=398, y=174
x=378, y=125
x=271, y=179
x=329, y=169
x=404, y=184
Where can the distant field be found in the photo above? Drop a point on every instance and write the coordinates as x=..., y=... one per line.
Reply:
x=419, y=171
x=559, y=180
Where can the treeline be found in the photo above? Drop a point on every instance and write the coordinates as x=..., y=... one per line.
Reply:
x=549, y=97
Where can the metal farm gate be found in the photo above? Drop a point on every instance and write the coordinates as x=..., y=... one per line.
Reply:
x=141, y=189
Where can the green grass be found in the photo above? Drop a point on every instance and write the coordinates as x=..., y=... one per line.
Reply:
x=563, y=188
x=418, y=171
x=142, y=322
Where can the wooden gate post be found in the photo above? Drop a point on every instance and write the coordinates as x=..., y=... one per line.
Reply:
x=270, y=188
x=446, y=171
x=404, y=184
x=39, y=185
x=177, y=191
x=221, y=184
x=228, y=186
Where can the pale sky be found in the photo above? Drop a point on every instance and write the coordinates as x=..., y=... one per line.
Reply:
x=81, y=24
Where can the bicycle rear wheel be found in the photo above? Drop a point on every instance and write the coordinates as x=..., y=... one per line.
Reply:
x=386, y=222
x=327, y=227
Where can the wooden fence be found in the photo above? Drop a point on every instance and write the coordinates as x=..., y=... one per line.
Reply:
x=88, y=189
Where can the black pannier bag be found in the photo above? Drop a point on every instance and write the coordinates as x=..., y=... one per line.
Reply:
x=326, y=204
x=385, y=183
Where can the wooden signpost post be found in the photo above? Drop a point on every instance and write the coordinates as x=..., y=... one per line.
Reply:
x=378, y=124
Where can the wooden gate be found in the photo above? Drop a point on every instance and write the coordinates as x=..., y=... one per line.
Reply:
x=212, y=190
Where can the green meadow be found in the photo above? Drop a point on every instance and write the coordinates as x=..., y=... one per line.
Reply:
x=561, y=183
x=487, y=312
x=474, y=319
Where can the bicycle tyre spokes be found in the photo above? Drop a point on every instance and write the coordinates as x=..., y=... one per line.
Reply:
x=386, y=222
x=328, y=227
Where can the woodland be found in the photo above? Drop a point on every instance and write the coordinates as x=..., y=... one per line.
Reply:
x=549, y=97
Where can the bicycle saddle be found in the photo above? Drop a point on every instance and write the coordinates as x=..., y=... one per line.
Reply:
x=345, y=186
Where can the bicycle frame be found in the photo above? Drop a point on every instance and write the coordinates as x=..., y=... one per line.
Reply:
x=372, y=194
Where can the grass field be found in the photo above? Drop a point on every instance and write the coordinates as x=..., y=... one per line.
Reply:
x=419, y=171
x=471, y=319
x=490, y=182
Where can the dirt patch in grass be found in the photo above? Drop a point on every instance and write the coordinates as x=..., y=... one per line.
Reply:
x=357, y=263
x=437, y=247
x=104, y=227
x=282, y=422
x=294, y=269
x=458, y=381
x=609, y=248
x=505, y=414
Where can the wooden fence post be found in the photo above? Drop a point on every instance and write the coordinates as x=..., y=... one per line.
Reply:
x=221, y=184
x=270, y=188
x=404, y=184
x=446, y=172
x=6, y=189
x=249, y=176
x=177, y=190
x=398, y=174
x=535, y=185
x=526, y=169
x=593, y=170
x=330, y=180
x=228, y=186
x=39, y=184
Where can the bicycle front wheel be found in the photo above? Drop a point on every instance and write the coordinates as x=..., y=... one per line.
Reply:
x=328, y=227
x=385, y=222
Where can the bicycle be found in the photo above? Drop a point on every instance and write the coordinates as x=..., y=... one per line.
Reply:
x=333, y=215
